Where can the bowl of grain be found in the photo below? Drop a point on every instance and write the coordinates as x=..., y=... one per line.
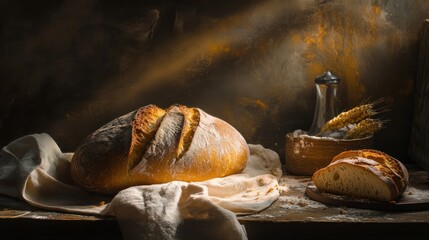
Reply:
x=350, y=130
x=306, y=154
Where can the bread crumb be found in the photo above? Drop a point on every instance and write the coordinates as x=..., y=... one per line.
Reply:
x=101, y=203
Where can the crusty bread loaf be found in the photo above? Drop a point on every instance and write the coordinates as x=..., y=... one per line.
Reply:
x=366, y=173
x=399, y=170
x=153, y=145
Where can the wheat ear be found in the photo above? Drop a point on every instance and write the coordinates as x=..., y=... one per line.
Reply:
x=364, y=128
x=354, y=115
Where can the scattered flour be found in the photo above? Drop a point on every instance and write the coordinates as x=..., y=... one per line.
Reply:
x=292, y=194
x=328, y=135
x=267, y=216
x=298, y=202
x=293, y=201
x=417, y=194
x=303, y=141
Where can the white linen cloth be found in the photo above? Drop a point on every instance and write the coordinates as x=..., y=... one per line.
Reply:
x=33, y=168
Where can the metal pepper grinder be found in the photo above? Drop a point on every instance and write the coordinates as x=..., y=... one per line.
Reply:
x=326, y=103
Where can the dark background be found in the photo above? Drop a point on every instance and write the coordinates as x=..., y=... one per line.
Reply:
x=67, y=67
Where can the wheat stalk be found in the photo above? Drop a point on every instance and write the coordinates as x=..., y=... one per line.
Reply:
x=364, y=128
x=353, y=116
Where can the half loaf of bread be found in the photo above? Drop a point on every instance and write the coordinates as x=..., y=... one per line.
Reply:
x=366, y=173
x=152, y=145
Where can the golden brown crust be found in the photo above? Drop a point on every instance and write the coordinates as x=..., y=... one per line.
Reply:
x=388, y=169
x=191, y=120
x=367, y=165
x=377, y=168
x=153, y=145
x=144, y=125
x=398, y=169
x=216, y=150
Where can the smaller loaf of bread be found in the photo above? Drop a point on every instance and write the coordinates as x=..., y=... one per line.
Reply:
x=154, y=145
x=366, y=173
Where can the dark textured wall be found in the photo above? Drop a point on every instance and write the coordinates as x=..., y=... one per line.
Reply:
x=67, y=67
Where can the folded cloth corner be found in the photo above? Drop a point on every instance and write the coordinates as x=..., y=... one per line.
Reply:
x=34, y=169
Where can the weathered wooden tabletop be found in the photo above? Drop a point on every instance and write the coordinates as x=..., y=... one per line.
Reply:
x=293, y=214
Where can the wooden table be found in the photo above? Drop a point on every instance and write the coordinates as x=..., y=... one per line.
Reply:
x=292, y=216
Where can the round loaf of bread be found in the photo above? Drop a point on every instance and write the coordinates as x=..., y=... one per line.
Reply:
x=152, y=145
x=366, y=173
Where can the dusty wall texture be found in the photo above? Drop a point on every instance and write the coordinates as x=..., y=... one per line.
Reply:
x=67, y=67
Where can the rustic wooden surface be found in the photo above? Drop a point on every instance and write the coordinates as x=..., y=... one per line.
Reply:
x=293, y=214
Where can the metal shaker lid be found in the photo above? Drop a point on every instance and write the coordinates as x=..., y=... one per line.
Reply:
x=327, y=78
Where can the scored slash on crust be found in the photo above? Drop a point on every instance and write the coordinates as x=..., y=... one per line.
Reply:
x=163, y=135
x=152, y=145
